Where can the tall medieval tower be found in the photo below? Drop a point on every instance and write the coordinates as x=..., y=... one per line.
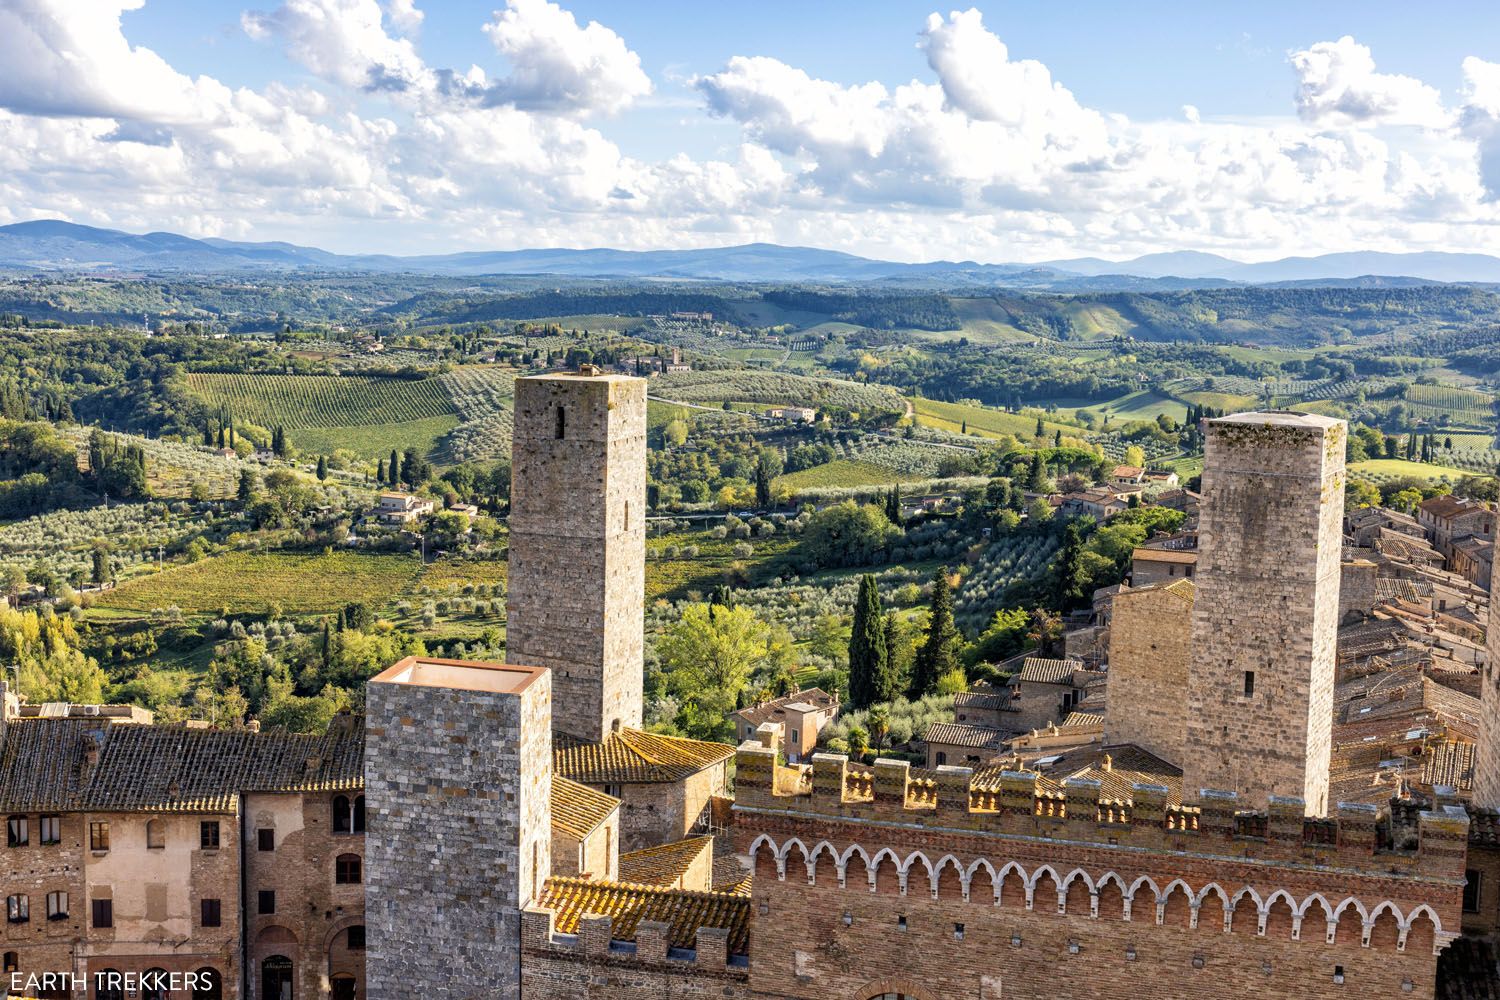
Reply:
x=576, y=599
x=1487, y=753
x=458, y=784
x=1265, y=615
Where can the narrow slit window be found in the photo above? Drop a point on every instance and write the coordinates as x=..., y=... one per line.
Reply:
x=1249, y=683
x=562, y=422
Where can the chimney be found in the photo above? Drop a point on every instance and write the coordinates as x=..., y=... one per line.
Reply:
x=253, y=725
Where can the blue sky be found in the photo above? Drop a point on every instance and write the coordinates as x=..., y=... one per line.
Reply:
x=1020, y=131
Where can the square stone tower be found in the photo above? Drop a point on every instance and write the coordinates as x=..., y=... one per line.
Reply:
x=1487, y=752
x=1265, y=615
x=1150, y=656
x=576, y=599
x=458, y=791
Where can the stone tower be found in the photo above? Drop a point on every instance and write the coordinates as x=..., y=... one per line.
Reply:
x=458, y=783
x=1150, y=656
x=1487, y=753
x=1265, y=615
x=577, y=582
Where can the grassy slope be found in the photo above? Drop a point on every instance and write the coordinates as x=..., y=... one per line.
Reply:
x=373, y=441
x=844, y=472
x=984, y=421
x=1392, y=468
x=299, y=583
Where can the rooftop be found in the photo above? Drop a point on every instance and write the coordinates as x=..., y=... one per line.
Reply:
x=631, y=756
x=79, y=764
x=985, y=701
x=798, y=701
x=663, y=864
x=579, y=810
x=682, y=910
x=465, y=675
x=1280, y=418
x=1147, y=553
x=958, y=734
x=1040, y=670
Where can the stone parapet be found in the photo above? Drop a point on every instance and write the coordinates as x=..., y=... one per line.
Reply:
x=1358, y=836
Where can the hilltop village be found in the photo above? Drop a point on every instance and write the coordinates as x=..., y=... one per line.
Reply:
x=1269, y=765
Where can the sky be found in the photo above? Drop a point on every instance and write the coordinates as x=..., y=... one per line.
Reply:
x=1018, y=131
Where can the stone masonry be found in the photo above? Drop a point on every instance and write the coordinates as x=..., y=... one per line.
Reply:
x=458, y=777
x=1487, y=753
x=1150, y=650
x=577, y=545
x=1265, y=618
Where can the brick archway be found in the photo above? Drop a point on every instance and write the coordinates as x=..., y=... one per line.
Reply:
x=900, y=987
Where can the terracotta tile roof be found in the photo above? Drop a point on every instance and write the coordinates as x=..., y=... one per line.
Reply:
x=730, y=876
x=958, y=734
x=1468, y=969
x=1116, y=768
x=1127, y=472
x=1148, y=554
x=45, y=764
x=631, y=756
x=985, y=701
x=578, y=810
x=1082, y=719
x=1448, y=506
x=682, y=910
x=774, y=710
x=664, y=864
x=1040, y=670
x=1450, y=762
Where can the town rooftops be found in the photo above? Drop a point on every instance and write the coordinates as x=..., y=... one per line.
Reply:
x=1039, y=670
x=1179, y=556
x=465, y=675
x=631, y=756
x=77, y=765
x=1117, y=768
x=810, y=700
x=682, y=910
x=663, y=864
x=579, y=810
x=1127, y=472
x=957, y=734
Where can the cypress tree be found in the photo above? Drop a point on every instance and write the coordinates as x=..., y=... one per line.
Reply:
x=938, y=654
x=1041, y=428
x=762, y=488
x=394, y=467
x=893, y=505
x=1067, y=579
x=322, y=467
x=1038, y=474
x=380, y=471
x=868, y=658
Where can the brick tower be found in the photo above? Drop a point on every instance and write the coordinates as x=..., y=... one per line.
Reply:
x=576, y=598
x=1265, y=615
x=458, y=783
x=1487, y=753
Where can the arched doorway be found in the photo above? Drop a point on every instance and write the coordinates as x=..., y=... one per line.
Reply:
x=109, y=985
x=210, y=985
x=894, y=989
x=276, y=978
x=343, y=987
x=153, y=984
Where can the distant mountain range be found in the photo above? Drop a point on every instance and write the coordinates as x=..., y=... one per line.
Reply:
x=54, y=245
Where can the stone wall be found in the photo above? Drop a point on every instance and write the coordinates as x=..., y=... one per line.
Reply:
x=1487, y=753
x=1149, y=658
x=35, y=870
x=458, y=841
x=576, y=587
x=660, y=812
x=1260, y=695
x=1357, y=587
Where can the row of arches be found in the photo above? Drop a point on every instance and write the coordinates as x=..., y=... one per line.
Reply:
x=1212, y=907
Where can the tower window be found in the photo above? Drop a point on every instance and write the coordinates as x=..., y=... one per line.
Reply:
x=562, y=422
x=1471, y=891
x=1249, y=683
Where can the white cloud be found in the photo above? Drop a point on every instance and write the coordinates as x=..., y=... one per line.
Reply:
x=404, y=15
x=983, y=156
x=1480, y=119
x=1337, y=84
x=70, y=58
x=343, y=41
x=557, y=66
